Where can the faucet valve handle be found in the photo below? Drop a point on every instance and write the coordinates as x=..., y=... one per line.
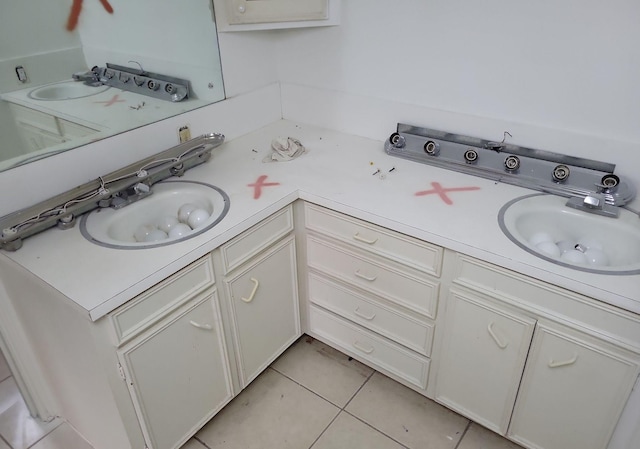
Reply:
x=594, y=201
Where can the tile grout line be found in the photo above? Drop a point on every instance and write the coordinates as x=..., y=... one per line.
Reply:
x=341, y=409
x=195, y=437
x=300, y=385
x=377, y=430
x=466, y=429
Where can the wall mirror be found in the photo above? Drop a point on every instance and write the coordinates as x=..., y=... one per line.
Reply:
x=44, y=112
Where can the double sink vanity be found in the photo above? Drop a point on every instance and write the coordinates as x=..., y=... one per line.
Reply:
x=399, y=265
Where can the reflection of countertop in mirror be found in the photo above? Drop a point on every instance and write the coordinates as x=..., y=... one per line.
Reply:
x=109, y=112
x=336, y=173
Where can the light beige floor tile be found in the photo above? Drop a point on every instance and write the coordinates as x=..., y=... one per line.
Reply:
x=477, y=437
x=64, y=437
x=407, y=416
x=193, y=444
x=272, y=413
x=323, y=370
x=17, y=427
x=348, y=432
x=4, y=368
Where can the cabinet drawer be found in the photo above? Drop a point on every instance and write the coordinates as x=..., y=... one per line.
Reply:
x=367, y=346
x=397, y=285
x=398, y=247
x=369, y=313
x=256, y=239
x=71, y=130
x=150, y=306
x=35, y=118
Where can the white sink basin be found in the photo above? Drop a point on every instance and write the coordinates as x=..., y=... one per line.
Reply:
x=65, y=90
x=538, y=223
x=127, y=228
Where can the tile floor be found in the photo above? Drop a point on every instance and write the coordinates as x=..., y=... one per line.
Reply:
x=312, y=397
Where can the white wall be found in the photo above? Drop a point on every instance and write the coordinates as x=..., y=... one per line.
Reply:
x=33, y=34
x=566, y=69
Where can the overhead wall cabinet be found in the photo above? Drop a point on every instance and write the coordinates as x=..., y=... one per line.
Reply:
x=245, y=15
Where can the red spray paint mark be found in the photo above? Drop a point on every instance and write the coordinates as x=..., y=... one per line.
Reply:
x=115, y=99
x=76, y=9
x=442, y=192
x=259, y=184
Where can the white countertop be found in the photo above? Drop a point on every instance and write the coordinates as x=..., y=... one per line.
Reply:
x=337, y=172
x=109, y=112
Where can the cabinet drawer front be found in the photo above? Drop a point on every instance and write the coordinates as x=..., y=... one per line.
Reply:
x=552, y=301
x=71, y=130
x=401, y=248
x=419, y=295
x=150, y=306
x=256, y=239
x=397, y=326
x=571, y=382
x=367, y=346
x=481, y=360
x=35, y=118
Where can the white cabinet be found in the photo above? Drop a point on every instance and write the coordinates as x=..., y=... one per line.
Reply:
x=262, y=289
x=483, y=354
x=547, y=368
x=243, y=15
x=373, y=293
x=573, y=390
x=178, y=373
x=41, y=130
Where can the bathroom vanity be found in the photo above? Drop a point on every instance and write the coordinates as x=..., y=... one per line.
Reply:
x=139, y=348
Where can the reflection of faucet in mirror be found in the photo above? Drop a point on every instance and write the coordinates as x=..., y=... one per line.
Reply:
x=53, y=54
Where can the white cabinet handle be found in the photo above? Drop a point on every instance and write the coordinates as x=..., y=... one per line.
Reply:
x=256, y=283
x=357, y=237
x=206, y=327
x=359, y=347
x=366, y=278
x=362, y=315
x=571, y=361
x=499, y=342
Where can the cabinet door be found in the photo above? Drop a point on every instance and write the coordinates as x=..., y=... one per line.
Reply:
x=264, y=304
x=573, y=391
x=178, y=374
x=481, y=359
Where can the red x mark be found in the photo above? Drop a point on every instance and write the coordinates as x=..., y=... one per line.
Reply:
x=259, y=184
x=437, y=188
x=115, y=99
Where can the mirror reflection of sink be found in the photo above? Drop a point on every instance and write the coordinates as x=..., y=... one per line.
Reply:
x=65, y=90
x=175, y=212
x=542, y=225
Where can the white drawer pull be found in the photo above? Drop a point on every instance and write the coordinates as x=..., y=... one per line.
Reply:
x=571, y=361
x=366, y=278
x=362, y=315
x=256, y=283
x=359, y=347
x=357, y=237
x=206, y=327
x=500, y=344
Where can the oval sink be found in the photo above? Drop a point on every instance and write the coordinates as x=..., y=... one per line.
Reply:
x=127, y=228
x=542, y=225
x=65, y=90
